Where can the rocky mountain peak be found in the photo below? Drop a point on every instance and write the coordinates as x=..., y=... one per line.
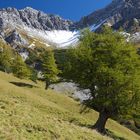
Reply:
x=17, y=26
x=32, y=18
x=30, y=9
x=56, y=30
x=118, y=14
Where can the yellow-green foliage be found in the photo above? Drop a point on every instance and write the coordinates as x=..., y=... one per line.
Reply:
x=6, y=56
x=31, y=113
x=20, y=69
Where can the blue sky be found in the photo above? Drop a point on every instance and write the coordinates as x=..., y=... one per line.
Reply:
x=69, y=9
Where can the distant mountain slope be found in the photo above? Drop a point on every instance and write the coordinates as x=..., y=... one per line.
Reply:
x=54, y=31
x=120, y=13
x=50, y=29
x=33, y=19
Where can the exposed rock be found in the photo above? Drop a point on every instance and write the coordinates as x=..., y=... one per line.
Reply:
x=1, y=24
x=51, y=28
x=14, y=38
x=24, y=54
x=32, y=18
x=120, y=13
x=28, y=20
x=71, y=90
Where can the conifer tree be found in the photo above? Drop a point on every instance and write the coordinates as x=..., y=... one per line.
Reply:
x=50, y=70
x=6, y=56
x=110, y=67
x=20, y=69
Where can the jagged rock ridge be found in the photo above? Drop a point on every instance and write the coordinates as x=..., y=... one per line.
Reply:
x=46, y=27
x=120, y=13
x=32, y=18
x=53, y=29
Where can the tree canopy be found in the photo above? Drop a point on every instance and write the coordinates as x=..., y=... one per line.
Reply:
x=110, y=67
x=6, y=56
x=50, y=70
x=20, y=69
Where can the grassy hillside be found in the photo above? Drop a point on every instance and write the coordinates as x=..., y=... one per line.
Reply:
x=28, y=112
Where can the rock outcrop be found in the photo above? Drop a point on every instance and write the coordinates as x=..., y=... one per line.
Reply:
x=14, y=38
x=123, y=14
x=119, y=14
x=33, y=19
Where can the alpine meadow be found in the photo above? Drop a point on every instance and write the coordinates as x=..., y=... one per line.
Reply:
x=64, y=79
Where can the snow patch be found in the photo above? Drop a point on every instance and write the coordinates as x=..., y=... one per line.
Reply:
x=135, y=37
x=131, y=37
x=94, y=27
x=60, y=38
x=126, y=35
x=31, y=46
x=46, y=44
x=24, y=55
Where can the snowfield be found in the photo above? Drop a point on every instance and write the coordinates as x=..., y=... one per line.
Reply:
x=65, y=38
x=94, y=27
x=62, y=38
x=58, y=38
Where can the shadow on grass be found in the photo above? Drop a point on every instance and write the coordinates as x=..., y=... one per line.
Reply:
x=21, y=84
x=107, y=132
x=112, y=135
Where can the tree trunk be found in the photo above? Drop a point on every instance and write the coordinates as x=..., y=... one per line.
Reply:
x=47, y=85
x=101, y=122
x=136, y=124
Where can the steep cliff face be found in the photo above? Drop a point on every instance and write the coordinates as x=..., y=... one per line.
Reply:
x=120, y=13
x=32, y=18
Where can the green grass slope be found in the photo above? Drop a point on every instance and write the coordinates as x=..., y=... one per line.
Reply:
x=28, y=112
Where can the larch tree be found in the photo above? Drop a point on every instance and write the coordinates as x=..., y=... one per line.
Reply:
x=6, y=56
x=20, y=69
x=50, y=70
x=110, y=67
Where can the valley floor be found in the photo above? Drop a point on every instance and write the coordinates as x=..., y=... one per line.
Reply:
x=28, y=112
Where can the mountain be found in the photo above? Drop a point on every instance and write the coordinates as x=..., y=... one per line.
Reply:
x=19, y=27
x=119, y=14
x=33, y=19
x=32, y=28
x=47, y=28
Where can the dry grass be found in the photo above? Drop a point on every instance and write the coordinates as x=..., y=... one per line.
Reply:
x=35, y=114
